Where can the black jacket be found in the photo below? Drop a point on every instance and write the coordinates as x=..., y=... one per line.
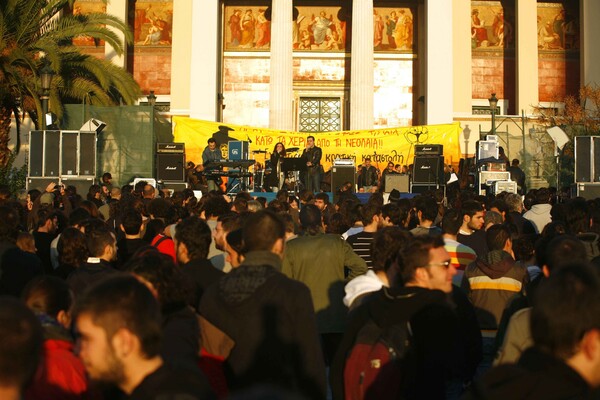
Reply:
x=434, y=326
x=200, y=274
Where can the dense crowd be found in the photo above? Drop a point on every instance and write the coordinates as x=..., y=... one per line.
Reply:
x=137, y=293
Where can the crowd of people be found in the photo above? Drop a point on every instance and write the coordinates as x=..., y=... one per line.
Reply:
x=134, y=293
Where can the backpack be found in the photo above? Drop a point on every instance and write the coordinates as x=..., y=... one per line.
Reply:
x=376, y=364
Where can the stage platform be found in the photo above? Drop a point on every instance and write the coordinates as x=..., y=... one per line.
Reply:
x=363, y=197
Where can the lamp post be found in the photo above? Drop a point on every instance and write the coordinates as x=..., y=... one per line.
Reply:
x=46, y=74
x=151, y=98
x=493, y=104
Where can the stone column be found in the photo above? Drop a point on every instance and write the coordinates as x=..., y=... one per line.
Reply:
x=361, y=66
x=528, y=95
x=117, y=8
x=205, y=62
x=590, y=51
x=281, y=94
x=181, y=57
x=439, y=98
x=461, y=59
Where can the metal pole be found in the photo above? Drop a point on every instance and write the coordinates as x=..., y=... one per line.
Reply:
x=493, y=120
x=45, y=96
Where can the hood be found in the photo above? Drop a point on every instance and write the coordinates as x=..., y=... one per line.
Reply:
x=360, y=285
x=242, y=282
x=495, y=264
x=53, y=330
x=541, y=208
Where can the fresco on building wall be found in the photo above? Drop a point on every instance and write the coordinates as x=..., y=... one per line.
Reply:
x=492, y=26
x=557, y=27
x=153, y=23
x=393, y=29
x=83, y=7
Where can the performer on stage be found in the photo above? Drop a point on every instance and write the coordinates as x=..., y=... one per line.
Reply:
x=369, y=176
x=277, y=177
x=312, y=154
x=211, y=153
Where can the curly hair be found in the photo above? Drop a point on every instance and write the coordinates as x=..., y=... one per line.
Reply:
x=72, y=247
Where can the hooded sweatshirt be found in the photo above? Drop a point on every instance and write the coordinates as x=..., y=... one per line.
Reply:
x=269, y=325
x=539, y=215
x=360, y=286
x=491, y=283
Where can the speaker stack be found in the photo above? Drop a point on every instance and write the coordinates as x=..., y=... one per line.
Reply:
x=170, y=165
x=67, y=157
x=342, y=171
x=587, y=166
x=428, y=168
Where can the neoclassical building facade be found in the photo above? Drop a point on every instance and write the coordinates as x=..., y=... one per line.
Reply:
x=361, y=64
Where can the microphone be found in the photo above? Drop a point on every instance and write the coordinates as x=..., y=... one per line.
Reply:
x=248, y=137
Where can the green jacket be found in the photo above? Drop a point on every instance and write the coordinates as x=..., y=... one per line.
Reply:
x=318, y=261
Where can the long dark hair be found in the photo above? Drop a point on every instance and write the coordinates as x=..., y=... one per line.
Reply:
x=282, y=154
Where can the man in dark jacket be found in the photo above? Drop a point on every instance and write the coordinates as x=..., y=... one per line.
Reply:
x=261, y=322
x=102, y=247
x=564, y=362
x=491, y=283
x=192, y=241
x=419, y=296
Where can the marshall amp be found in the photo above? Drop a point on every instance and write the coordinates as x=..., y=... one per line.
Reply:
x=170, y=167
x=170, y=148
x=429, y=149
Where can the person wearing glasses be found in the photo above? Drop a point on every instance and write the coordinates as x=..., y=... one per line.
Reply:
x=418, y=296
x=491, y=283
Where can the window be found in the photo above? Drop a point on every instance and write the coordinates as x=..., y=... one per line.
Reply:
x=320, y=114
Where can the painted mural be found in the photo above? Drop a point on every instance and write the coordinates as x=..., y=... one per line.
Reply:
x=83, y=7
x=393, y=29
x=317, y=29
x=153, y=23
x=492, y=25
x=557, y=27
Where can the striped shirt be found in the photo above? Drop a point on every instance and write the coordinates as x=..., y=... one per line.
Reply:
x=361, y=244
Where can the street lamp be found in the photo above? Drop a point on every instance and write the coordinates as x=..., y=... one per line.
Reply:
x=151, y=98
x=493, y=104
x=46, y=74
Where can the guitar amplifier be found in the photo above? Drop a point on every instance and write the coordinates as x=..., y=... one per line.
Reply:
x=429, y=149
x=170, y=148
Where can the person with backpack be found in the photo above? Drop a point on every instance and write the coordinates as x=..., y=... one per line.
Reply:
x=400, y=344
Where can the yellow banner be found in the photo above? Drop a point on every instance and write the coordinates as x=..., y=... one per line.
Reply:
x=381, y=145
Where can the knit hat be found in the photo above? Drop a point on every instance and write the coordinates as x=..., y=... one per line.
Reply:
x=47, y=198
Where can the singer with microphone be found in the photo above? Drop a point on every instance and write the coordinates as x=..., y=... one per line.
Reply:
x=369, y=177
x=276, y=178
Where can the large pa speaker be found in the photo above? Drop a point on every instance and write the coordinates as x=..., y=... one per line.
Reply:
x=39, y=183
x=398, y=182
x=87, y=153
x=82, y=185
x=428, y=170
x=51, y=153
x=341, y=175
x=36, y=153
x=588, y=191
x=583, y=159
x=70, y=149
x=170, y=167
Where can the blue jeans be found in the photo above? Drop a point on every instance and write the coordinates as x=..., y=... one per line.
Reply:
x=313, y=182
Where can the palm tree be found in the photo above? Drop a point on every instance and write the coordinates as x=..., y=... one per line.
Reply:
x=38, y=32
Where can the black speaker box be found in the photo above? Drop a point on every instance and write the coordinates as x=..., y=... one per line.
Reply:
x=339, y=175
x=52, y=153
x=70, y=147
x=398, y=182
x=81, y=184
x=588, y=191
x=428, y=170
x=176, y=186
x=40, y=183
x=87, y=153
x=170, y=167
x=583, y=159
x=36, y=153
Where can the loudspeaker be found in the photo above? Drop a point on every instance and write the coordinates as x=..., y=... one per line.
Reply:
x=341, y=175
x=170, y=167
x=81, y=184
x=398, y=182
x=87, y=153
x=176, y=186
x=39, y=183
x=36, y=153
x=51, y=153
x=69, y=146
x=583, y=159
x=428, y=170
x=588, y=191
